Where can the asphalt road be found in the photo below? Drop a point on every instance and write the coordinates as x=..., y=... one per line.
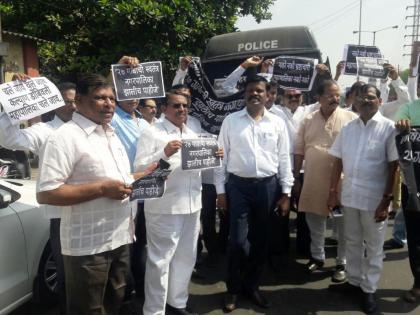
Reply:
x=291, y=290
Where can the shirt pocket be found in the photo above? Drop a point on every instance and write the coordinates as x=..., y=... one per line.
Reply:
x=375, y=149
x=268, y=141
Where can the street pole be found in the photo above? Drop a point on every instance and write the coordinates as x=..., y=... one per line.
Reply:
x=360, y=22
x=374, y=35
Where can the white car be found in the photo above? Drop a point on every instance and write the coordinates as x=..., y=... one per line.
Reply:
x=27, y=268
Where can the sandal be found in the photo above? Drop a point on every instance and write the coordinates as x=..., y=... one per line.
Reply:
x=412, y=296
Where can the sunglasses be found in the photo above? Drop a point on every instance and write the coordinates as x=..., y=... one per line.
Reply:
x=295, y=96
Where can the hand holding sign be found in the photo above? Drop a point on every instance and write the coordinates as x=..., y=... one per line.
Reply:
x=172, y=147
x=128, y=60
x=115, y=189
x=392, y=72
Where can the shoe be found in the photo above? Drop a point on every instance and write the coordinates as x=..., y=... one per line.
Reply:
x=229, y=303
x=392, y=244
x=412, y=296
x=369, y=304
x=345, y=288
x=339, y=274
x=313, y=265
x=258, y=299
x=178, y=311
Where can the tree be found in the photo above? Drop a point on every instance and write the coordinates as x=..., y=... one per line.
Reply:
x=89, y=35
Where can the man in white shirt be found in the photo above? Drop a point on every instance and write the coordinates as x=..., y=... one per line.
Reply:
x=86, y=172
x=33, y=139
x=365, y=152
x=148, y=110
x=256, y=164
x=172, y=221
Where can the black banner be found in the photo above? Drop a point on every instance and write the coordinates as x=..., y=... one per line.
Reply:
x=209, y=109
x=294, y=72
x=408, y=146
x=353, y=51
x=199, y=153
x=143, y=81
x=151, y=186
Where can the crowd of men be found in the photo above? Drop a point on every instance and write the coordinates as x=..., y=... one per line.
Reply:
x=324, y=160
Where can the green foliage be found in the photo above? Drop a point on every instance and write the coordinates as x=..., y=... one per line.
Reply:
x=89, y=35
x=404, y=75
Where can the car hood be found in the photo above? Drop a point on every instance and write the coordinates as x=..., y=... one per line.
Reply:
x=26, y=189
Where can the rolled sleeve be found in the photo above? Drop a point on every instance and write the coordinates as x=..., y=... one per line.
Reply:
x=285, y=168
x=391, y=148
x=146, y=153
x=220, y=172
x=336, y=149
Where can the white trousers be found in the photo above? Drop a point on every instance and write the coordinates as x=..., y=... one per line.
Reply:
x=317, y=225
x=364, y=248
x=171, y=255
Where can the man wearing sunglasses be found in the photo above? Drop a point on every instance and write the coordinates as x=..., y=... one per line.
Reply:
x=172, y=221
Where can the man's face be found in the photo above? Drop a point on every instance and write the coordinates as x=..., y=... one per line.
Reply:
x=129, y=106
x=148, y=111
x=272, y=96
x=292, y=99
x=98, y=105
x=368, y=103
x=330, y=99
x=176, y=109
x=256, y=95
x=66, y=112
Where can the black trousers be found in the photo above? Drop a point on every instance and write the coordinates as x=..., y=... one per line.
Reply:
x=139, y=252
x=412, y=223
x=96, y=284
x=212, y=241
x=250, y=205
x=58, y=258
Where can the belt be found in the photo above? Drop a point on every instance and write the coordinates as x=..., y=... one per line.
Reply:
x=251, y=179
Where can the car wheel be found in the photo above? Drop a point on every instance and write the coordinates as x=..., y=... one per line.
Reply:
x=46, y=286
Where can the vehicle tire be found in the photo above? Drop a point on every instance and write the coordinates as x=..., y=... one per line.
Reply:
x=45, y=284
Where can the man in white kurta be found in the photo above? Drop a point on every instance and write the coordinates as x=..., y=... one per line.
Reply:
x=172, y=221
x=365, y=152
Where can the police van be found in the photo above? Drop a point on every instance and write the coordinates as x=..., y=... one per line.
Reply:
x=224, y=53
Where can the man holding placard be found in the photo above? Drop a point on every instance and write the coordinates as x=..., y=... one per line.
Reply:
x=172, y=221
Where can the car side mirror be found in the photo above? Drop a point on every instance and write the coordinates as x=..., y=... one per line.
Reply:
x=5, y=198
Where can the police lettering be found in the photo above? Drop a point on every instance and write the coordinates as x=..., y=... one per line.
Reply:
x=267, y=44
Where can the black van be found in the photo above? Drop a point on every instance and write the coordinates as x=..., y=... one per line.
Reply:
x=224, y=53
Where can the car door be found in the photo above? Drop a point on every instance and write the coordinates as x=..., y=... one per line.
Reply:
x=13, y=262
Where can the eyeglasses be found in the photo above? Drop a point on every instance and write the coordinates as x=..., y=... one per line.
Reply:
x=179, y=105
x=69, y=102
x=294, y=96
x=361, y=98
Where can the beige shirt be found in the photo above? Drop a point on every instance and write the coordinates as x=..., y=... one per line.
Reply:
x=314, y=138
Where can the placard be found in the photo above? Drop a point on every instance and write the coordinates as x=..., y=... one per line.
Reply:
x=143, y=81
x=151, y=186
x=408, y=147
x=200, y=153
x=291, y=72
x=352, y=51
x=23, y=100
x=372, y=67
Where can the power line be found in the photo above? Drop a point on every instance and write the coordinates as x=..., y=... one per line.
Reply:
x=333, y=20
x=334, y=13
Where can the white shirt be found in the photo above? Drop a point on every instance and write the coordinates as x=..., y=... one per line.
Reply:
x=229, y=85
x=32, y=139
x=28, y=139
x=144, y=124
x=183, y=188
x=412, y=87
x=254, y=149
x=365, y=151
x=81, y=152
x=389, y=109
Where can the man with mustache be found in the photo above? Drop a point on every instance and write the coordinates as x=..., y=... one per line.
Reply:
x=365, y=152
x=315, y=136
x=256, y=164
x=86, y=172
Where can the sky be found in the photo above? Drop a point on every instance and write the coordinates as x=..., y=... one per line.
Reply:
x=333, y=21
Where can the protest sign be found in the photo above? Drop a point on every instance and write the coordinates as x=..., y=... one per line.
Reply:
x=206, y=106
x=143, y=81
x=151, y=186
x=294, y=72
x=23, y=100
x=199, y=153
x=408, y=147
x=352, y=51
x=371, y=67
